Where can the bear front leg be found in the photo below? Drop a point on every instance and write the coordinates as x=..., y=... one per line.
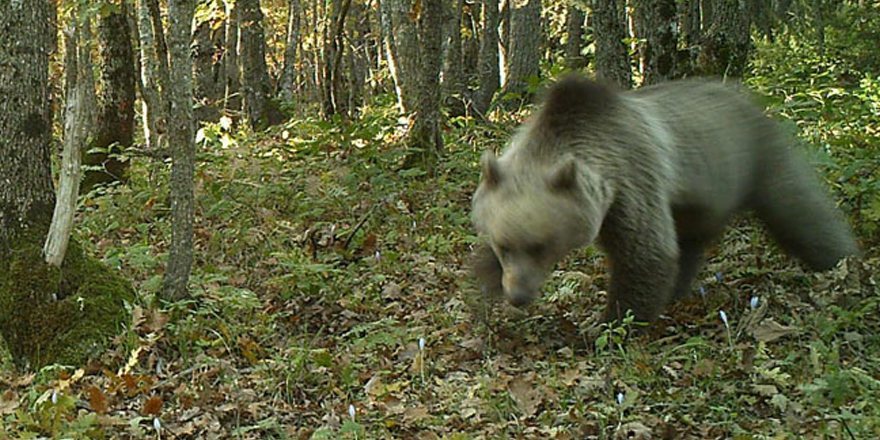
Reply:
x=487, y=270
x=644, y=265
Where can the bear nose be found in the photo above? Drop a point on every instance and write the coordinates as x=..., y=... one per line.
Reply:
x=519, y=299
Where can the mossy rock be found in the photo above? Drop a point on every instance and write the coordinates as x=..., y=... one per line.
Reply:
x=59, y=315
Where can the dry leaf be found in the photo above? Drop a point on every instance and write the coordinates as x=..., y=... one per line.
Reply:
x=770, y=330
x=97, y=400
x=152, y=406
x=8, y=402
x=633, y=431
x=526, y=394
x=415, y=414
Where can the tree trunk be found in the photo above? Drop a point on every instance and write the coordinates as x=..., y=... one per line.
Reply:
x=288, y=72
x=726, y=41
x=207, y=69
x=471, y=44
x=47, y=314
x=402, y=51
x=78, y=125
x=115, y=123
x=181, y=138
x=261, y=110
x=574, y=34
x=524, y=54
x=488, y=69
x=612, y=58
x=231, y=59
x=425, y=140
x=658, y=23
x=454, y=86
x=154, y=106
x=334, y=47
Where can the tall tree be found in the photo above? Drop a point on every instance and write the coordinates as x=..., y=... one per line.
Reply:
x=454, y=83
x=425, y=139
x=659, y=22
x=231, y=60
x=115, y=122
x=47, y=313
x=401, y=48
x=287, y=84
x=207, y=70
x=524, y=53
x=612, y=58
x=261, y=110
x=182, y=141
x=726, y=41
x=153, y=67
x=574, y=37
x=488, y=68
x=333, y=102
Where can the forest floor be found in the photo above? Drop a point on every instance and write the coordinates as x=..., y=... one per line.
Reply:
x=331, y=299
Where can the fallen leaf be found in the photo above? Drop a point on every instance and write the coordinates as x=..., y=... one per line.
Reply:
x=152, y=406
x=414, y=414
x=770, y=330
x=526, y=394
x=97, y=400
x=8, y=402
x=633, y=431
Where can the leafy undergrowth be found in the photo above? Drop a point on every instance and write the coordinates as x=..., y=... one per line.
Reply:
x=331, y=300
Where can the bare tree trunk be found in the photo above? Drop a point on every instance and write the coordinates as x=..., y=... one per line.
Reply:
x=471, y=44
x=488, y=69
x=726, y=40
x=612, y=58
x=182, y=138
x=78, y=126
x=524, y=53
x=231, y=59
x=333, y=51
x=261, y=111
x=115, y=122
x=288, y=74
x=574, y=43
x=454, y=86
x=425, y=140
x=207, y=70
x=402, y=51
x=154, y=107
x=658, y=23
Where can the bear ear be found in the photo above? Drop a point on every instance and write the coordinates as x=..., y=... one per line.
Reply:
x=564, y=176
x=491, y=169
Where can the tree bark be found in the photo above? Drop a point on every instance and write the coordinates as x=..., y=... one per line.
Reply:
x=402, y=50
x=115, y=122
x=425, y=139
x=333, y=52
x=78, y=124
x=658, y=23
x=726, y=40
x=488, y=68
x=454, y=86
x=181, y=138
x=613, y=63
x=154, y=108
x=207, y=70
x=574, y=42
x=260, y=109
x=231, y=59
x=288, y=81
x=48, y=314
x=524, y=54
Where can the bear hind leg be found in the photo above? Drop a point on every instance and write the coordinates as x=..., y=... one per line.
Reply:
x=801, y=216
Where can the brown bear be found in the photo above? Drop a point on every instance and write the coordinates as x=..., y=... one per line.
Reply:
x=653, y=175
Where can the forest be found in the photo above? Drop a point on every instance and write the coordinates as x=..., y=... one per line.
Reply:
x=270, y=219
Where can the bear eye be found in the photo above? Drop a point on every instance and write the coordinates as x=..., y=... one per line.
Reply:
x=535, y=249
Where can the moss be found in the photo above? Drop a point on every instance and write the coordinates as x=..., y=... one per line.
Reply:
x=59, y=315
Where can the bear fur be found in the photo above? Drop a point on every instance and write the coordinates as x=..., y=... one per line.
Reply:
x=653, y=176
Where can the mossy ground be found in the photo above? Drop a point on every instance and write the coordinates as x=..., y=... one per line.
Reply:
x=60, y=315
